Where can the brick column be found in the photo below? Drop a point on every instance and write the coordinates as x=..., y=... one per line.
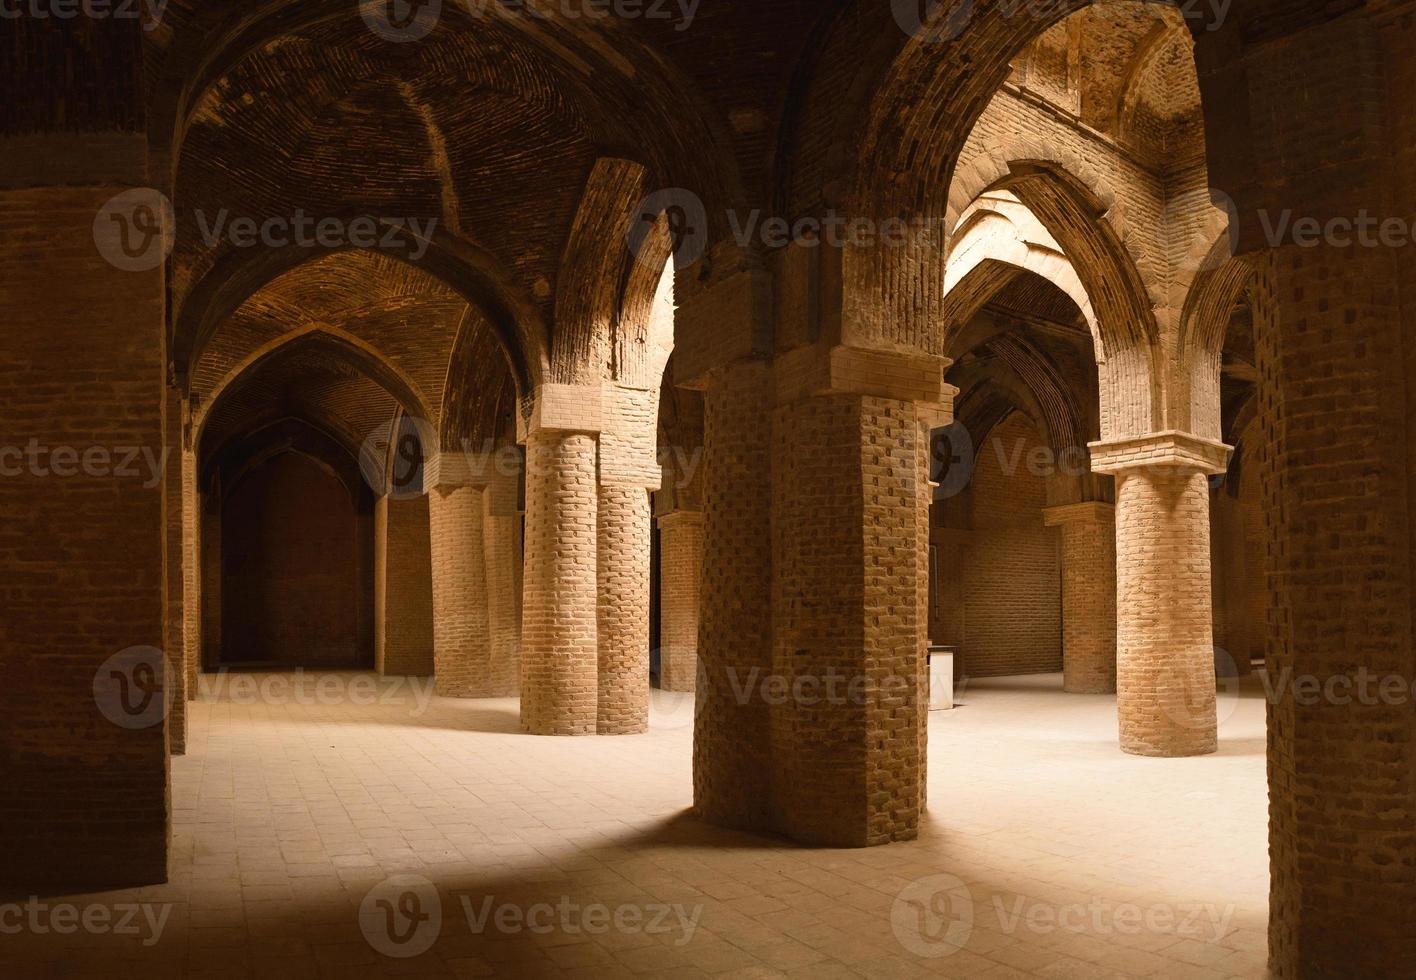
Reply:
x=501, y=536
x=680, y=567
x=850, y=543
x=732, y=778
x=1336, y=471
x=461, y=632
x=629, y=474
x=623, y=519
x=1164, y=632
x=174, y=554
x=81, y=536
x=559, y=656
x=1088, y=595
x=403, y=587
x=191, y=572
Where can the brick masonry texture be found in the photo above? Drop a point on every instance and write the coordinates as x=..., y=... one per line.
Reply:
x=1088, y=596
x=291, y=591
x=623, y=519
x=1164, y=642
x=680, y=570
x=559, y=655
x=81, y=367
x=403, y=587
x=462, y=642
x=1012, y=603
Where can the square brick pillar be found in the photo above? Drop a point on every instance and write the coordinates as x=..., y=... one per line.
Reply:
x=462, y=649
x=1088, y=595
x=850, y=544
x=84, y=795
x=403, y=587
x=1164, y=627
x=732, y=776
x=174, y=424
x=560, y=655
x=501, y=546
x=1336, y=468
x=191, y=572
x=680, y=567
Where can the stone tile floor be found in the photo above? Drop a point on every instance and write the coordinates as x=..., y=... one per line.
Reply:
x=319, y=825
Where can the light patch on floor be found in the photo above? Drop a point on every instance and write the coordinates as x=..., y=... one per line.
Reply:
x=1047, y=852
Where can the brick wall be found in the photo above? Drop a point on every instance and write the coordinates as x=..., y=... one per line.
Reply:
x=290, y=591
x=461, y=638
x=1012, y=585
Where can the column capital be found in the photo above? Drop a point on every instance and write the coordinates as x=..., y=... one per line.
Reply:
x=1172, y=450
x=677, y=519
x=906, y=376
x=629, y=437
x=561, y=408
x=726, y=322
x=1086, y=512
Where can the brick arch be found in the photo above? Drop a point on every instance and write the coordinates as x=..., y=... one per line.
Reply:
x=1034, y=384
x=480, y=396
x=1214, y=292
x=470, y=271
x=342, y=347
x=307, y=437
x=985, y=255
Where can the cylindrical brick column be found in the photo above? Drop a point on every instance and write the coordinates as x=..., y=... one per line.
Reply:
x=1164, y=637
x=623, y=624
x=461, y=637
x=559, y=658
x=680, y=568
x=1088, y=533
